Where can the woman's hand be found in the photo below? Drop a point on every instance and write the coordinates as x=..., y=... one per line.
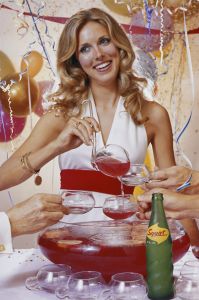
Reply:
x=171, y=178
x=36, y=213
x=76, y=132
x=176, y=205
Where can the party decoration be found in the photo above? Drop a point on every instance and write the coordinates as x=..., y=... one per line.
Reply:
x=44, y=87
x=166, y=50
x=35, y=20
x=15, y=98
x=150, y=39
x=6, y=66
x=32, y=62
x=7, y=131
x=124, y=7
x=174, y=4
x=174, y=8
x=144, y=66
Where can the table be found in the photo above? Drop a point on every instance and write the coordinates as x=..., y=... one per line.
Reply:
x=23, y=263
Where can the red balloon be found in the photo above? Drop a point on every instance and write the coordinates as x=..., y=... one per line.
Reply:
x=6, y=126
x=150, y=41
x=44, y=87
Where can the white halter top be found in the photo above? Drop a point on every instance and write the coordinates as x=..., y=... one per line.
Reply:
x=123, y=132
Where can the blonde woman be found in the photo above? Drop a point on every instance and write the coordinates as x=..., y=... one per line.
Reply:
x=94, y=62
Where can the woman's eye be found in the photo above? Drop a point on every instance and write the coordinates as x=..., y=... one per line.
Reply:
x=85, y=49
x=105, y=41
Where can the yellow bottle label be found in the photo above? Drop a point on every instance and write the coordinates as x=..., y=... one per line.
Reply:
x=157, y=234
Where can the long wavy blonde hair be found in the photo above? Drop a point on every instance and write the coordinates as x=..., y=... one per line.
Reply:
x=74, y=82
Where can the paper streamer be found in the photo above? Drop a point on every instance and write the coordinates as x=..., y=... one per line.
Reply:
x=127, y=28
x=149, y=14
x=40, y=39
x=161, y=32
x=190, y=66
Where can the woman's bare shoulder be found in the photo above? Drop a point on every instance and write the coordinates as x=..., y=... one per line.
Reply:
x=154, y=111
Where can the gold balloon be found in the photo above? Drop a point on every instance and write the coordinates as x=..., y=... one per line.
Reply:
x=33, y=62
x=166, y=50
x=129, y=7
x=124, y=7
x=16, y=98
x=6, y=66
x=173, y=4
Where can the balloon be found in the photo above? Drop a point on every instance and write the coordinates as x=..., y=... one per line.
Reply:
x=144, y=65
x=6, y=66
x=44, y=87
x=6, y=126
x=150, y=41
x=33, y=61
x=174, y=4
x=124, y=7
x=166, y=50
x=18, y=93
x=129, y=7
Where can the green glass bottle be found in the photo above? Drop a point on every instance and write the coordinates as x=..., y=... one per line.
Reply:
x=159, y=253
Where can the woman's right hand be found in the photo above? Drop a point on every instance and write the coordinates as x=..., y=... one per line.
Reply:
x=76, y=132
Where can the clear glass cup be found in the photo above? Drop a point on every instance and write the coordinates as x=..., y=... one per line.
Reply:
x=78, y=202
x=126, y=286
x=137, y=174
x=120, y=207
x=112, y=160
x=187, y=285
x=87, y=285
x=49, y=277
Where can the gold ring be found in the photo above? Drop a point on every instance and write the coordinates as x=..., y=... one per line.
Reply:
x=77, y=124
x=91, y=125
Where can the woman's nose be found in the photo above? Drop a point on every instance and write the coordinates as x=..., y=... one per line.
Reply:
x=98, y=53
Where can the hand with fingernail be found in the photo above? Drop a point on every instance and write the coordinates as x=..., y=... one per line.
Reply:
x=176, y=178
x=76, y=132
x=177, y=205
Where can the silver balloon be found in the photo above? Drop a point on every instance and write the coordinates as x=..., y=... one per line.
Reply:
x=144, y=66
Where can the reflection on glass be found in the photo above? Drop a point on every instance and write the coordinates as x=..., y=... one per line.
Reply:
x=138, y=174
x=49, y=277
x=112, y=160
x=126, y=286
x=119, y=207
x=86, y=285
x=78, y=202
x=187, y=285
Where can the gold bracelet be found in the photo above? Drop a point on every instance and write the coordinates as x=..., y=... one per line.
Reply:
x=27, y=165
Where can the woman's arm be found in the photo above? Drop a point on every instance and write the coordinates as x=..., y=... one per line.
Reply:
x=159, y=134
x=51, y=136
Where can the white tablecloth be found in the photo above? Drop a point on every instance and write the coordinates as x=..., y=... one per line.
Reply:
x=23, y=263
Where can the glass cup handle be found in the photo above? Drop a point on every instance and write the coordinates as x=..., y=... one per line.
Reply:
x=31, y=283
x=62, y=293
x=105, y=295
